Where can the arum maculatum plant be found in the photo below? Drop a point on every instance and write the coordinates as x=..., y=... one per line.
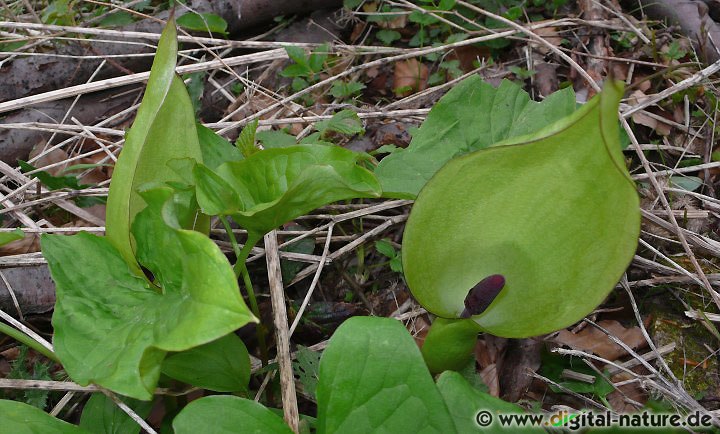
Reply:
x=525, y=217
x=527, y=236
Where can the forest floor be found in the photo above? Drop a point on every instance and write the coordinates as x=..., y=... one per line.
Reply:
x=389, y=61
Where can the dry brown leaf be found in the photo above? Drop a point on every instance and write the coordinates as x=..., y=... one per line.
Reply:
x=410, y=76
x=549, y=34
x=633, y=391
x=490, y=377
x=593, y=340
x=641, y=118
x=29, y=244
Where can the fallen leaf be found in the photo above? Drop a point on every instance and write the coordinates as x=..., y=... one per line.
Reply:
x=618, y=398
x=410, y=76
x=593, y=340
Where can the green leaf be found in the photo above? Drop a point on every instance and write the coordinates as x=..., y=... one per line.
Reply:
x=216, y=150
x=387, y=37
x=555, y=213
x=117, y=19
x=373, y=379
x=113, y=328
x=246, y=140
x=553, y=366
x=341, y=89
x=318, y=57
x=19, y=418
x=306, y=369
x=298, y=55
x=228, y=415
x=203, y=22
x=277, y=185
x=50, y=181
x=164, y=129
x=275, y=139
x=297, y=70
x=464, y=403
x=218, y=197
x=385, y=248
x=102, y=416
x=289, y=267
x=472, y=116
x=8, y=237
x=344, y=122
x=222, y=365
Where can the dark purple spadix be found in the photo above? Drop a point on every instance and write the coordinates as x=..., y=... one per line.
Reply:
x=482, y=294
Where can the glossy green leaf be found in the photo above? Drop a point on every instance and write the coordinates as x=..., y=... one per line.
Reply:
x=555, y=213
x=102, y=416
x=464, y=403
x=472, y=116
x=112, y=327
x=215, y=194
x=228, y=415
x=8, y=237
x=164, y=129
x=222, y=365
x=215, y=149
x=275, y=186
x=19, y=418
x=203, y=22
x=373, y=379
x=50, y=181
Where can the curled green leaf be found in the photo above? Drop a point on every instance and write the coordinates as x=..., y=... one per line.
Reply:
x=555, y=213
x=112, y=327
x=164, y=129
x=274, y=186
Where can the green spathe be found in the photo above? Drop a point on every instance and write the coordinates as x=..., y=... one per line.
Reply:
x=555, y=213
x=163, y=130
x=113, y=328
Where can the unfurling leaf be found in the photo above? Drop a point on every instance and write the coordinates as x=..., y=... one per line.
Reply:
x=555, y=213
x=164, y=129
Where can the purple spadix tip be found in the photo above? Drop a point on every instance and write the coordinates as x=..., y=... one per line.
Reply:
x=482, y=294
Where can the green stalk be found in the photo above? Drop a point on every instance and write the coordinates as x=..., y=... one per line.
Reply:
x=240, y=268
x=27, y=340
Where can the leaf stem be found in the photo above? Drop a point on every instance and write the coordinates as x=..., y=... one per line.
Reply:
x=27, y=340
x=240, y=268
